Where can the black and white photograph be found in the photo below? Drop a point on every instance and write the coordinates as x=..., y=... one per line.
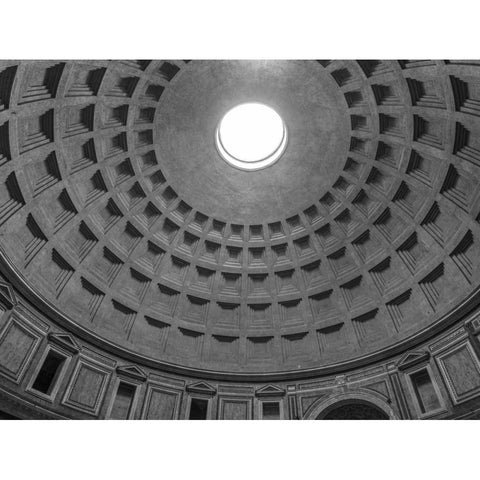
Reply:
x=232, y=237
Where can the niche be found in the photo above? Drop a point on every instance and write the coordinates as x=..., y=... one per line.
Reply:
x=122, y=407
x=198, y=409
x=271, y=411
x=426, y=392
x=48, y=375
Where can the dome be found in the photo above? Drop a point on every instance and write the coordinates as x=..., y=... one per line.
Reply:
x=125, y=225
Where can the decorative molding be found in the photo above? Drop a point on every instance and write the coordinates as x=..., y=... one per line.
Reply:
x=97, y=372
x=202, y=388
x=469, y=376
x=132, y=371
x=66, y=341
x=448, y=340
x=7, y=295
x=270, y=391
x=411, y=359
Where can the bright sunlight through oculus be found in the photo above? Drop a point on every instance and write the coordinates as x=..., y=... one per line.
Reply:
x=251, y=136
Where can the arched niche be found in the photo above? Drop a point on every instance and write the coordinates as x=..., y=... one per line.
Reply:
x=351, y=406
x=354, y=410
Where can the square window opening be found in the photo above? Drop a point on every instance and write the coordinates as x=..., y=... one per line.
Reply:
x=122, y=405
x=425, y=393
x=198, y=409
x=48, y=375
x=271, y=411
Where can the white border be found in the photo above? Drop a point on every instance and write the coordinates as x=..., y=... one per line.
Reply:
x=250, y=29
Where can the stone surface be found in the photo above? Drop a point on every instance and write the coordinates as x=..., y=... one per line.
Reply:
x=121, y=226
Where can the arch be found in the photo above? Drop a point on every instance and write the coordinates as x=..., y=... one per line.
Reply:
x=354, y=410
x=373, y=403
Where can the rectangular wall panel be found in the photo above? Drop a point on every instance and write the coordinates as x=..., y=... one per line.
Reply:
x=461, y=370
x=17, y=345
x=235, y=408
x=161, y=404
x=87, y=387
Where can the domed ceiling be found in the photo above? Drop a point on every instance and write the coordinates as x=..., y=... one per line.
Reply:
x=118, y=213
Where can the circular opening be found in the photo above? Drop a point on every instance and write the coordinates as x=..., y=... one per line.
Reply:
x=251, y=136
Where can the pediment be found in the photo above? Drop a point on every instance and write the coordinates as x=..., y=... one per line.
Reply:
x=132, y=371
x=413, y=358
x=7, y=294
x=201, y=387
x=65, y=341
x=270, y=391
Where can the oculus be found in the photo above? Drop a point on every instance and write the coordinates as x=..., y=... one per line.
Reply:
x=251, y=136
